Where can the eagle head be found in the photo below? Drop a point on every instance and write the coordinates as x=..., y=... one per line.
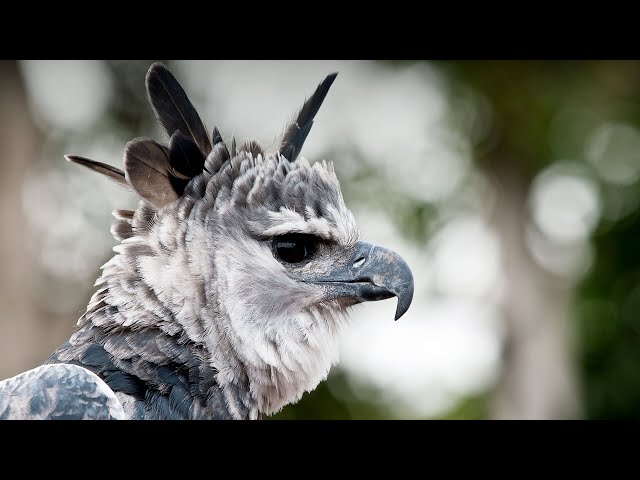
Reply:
x=251, y=254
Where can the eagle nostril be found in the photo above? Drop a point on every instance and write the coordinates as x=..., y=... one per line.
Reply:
x=359, y=261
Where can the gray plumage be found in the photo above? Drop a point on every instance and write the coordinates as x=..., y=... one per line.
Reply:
x=231, y=281
x=58, y=392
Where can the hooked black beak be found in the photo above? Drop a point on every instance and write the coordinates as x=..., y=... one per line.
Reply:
x=371, y=273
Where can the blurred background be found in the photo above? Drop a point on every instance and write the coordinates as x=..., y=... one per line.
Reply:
x=510, y=187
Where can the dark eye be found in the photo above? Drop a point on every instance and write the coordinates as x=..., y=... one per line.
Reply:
x=294, y=247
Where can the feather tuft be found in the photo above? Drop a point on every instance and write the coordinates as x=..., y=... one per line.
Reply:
x=296, y=133
x=173, y=108
x=185, y=160
x=113, y=173
x=146, y=165
x=233, y=147
x=252, y=147
x=215, y=136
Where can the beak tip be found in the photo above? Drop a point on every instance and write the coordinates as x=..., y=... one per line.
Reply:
x=402, y=308
x=404, y=295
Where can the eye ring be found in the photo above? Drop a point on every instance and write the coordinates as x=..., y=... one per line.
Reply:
x=294, y=247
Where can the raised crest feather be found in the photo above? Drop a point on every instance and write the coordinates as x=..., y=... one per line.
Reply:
x=296, y=133
x=113, y=173
x=173, y=108
x=160, y=174
x=147, y=169
x=185, y=159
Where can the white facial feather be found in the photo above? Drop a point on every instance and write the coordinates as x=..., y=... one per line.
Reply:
x=282, y=329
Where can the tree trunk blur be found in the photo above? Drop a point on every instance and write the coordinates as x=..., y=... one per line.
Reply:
x=537, y=380
x=18, y=139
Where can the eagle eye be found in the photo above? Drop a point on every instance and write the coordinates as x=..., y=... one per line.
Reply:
x=294, y=247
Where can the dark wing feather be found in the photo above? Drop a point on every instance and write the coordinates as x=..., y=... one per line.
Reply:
x=173, y=108
x=112, y=172
x=147, y=169
x=58, y=392
x=296, y=133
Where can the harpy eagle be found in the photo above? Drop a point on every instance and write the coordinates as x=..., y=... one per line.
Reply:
x=230, y=284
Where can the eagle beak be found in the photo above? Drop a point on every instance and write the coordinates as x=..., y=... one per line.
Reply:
x=371, y=273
